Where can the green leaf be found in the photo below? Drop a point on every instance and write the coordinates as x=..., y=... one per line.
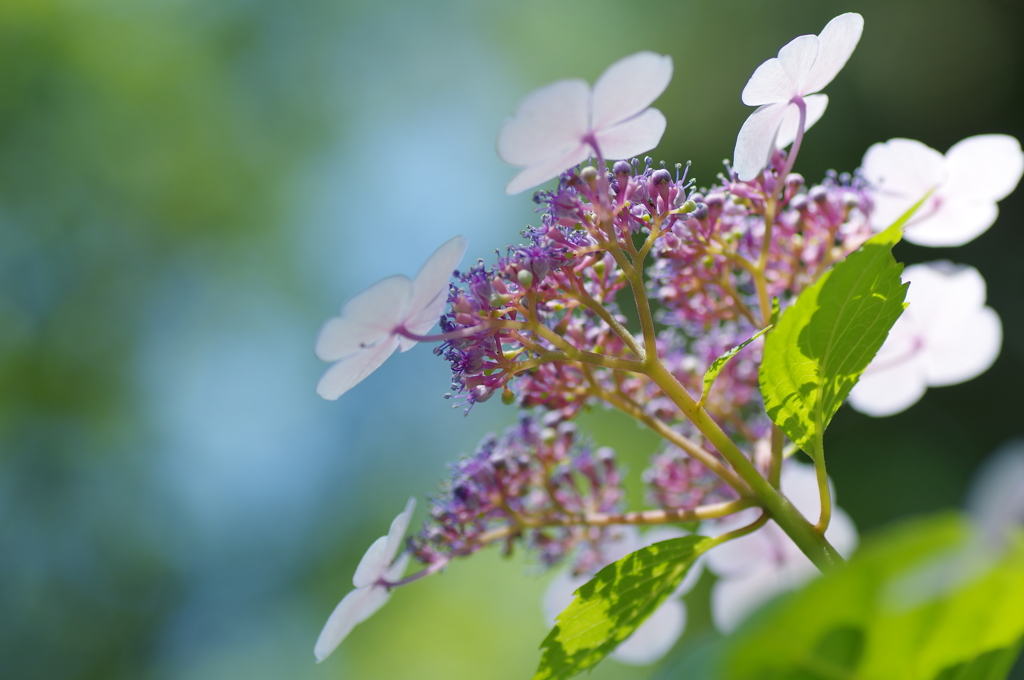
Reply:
x=718, y=364
x=609, y=607
x=994, y=665
x=826, y=339
x=923, y=601
x=776, y=310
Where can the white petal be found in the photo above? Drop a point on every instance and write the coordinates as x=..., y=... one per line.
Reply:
x=836, y=43
x=816, y=105
x=632, y=137
x=376, y=598
x=960, y=337
x=396, y=534
x=430, y=289
x=735, y=598
x=985, y=166
x=755, y=142
x=351, y=610
x=901, y=172
x=904, y=165
x=963, y=350
x=548, y=122
x=797, y=58
x=940, y=290
x=548, y=169
x=366, y=319
x=422, y=322
x=769, y=84
x=950, y=222
x=654, y=637
x=373, y=564
x=628, y=87
x=888, y=388
x=996, y=496
x=349, y=372
x=396, y=571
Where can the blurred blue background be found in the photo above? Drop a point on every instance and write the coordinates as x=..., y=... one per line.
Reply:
x=188, y=189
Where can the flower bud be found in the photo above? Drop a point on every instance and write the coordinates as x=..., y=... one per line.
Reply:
x=818, y=194
x=795, y=179
x=715, y=200
x=621, y=168
x=688, y=207
x=507, y=397
x=661, y=176
x=481, y=393
x=589, y=175
x=525, y=278
x=701, y=211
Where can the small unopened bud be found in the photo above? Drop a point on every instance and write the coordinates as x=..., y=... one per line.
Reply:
x=507, y=397
x=525, y=278
x=850, y=199
x=818, y=194
x=599, y=268
x=662, y=176
x=799, y=202
x=621, y=168
x=715, y=199
x=496, y=300
x=701, y=211
x=481, y=393
x=795, y=179
x=688, y=207
x=589, y=175
x=548, y=435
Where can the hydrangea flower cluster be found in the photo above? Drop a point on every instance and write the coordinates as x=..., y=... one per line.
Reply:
x=535, y=482
x=710, y=269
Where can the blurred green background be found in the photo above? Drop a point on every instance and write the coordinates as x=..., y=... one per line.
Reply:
x=188, y=189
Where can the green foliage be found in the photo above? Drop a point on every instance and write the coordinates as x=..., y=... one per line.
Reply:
x=826, y=339
x=609, y=607
x=718, y=364
x=920, y=602
x=994, y=665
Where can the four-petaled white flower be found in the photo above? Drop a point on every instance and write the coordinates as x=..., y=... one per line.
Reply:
x=965, y=185
x=378, y=565
x=804, y=66
x=946, y=336
x=655, y=636
x=371, y=324
x=557, y=126
x=755, y=568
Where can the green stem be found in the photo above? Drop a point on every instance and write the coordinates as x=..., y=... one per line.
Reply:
x=824, y=493
x=744, y=530
x=775, y=467
x=807, y=538
x=691, y=448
